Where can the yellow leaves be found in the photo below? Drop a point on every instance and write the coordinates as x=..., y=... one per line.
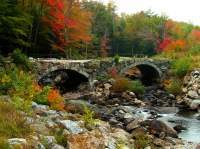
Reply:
x=5, y=79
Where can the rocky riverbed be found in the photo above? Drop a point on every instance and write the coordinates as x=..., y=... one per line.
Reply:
x=120, y=120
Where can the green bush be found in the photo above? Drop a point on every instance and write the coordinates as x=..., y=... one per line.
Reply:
x=116, y=59
x=19, y=85
x=137, y=87
x=42, y=96
x=141, y=141
x=4, y=144
x=88, y=117
x=181, y=67
x=60, y=137
x=174, y=86
x=195, y=49
x=21, y=59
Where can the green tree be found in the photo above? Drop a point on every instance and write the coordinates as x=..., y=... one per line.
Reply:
x=15, y=26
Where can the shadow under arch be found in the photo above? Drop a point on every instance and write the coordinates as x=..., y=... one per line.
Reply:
x=149, y=74
x=64, y=79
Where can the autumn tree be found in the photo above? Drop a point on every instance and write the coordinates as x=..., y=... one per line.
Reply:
x=70, y=24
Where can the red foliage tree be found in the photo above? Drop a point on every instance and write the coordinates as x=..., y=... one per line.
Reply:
x=69, y=23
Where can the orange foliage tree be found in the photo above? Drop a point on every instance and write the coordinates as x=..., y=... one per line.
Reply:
x=69, y=22
x=55, y=100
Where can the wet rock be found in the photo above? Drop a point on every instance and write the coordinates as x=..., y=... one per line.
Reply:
x=72, y=126
x=157, y=127
x=179, y=128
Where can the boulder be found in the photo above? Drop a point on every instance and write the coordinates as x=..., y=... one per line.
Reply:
x=179, y=128
x=134, y=124
x=158, y=127
x=193, y=94
x=195, y=104
x=72, y=126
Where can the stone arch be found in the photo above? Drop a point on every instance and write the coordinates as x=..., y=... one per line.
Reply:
x=64, y=79
x=150, y=73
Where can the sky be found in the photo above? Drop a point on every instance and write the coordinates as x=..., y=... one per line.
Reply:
x=179, y=10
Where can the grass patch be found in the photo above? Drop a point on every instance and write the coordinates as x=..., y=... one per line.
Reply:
x=181, y=67
x=12, y=123
x=137, y=87
x=174, y=86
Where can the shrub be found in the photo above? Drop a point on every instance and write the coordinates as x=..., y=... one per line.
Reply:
x=55, y=100
x=4, y=144
x=181, y=67
x=116, y=59
x=60, y=137
x=42, y=96
x=137, y=87
x=195, y=49
x=88, y=117
x=174, y=86
x=22, y=89
x=19, y=85
x=141, y=141
x=12, y=123
x=121, y=84
x=21, y=59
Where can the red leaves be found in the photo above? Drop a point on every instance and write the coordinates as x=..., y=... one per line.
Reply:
x=51, y=2
x=169, y=45
x=69, y=23
x=164, y=44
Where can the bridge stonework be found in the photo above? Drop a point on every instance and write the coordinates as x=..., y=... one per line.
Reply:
x=93, y=68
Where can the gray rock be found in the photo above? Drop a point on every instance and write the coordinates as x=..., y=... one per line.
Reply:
x=193, y=94
x=195, y=104
x=134, y=124
x=128, y=116
x=17, y=141
x=110, y=143
x=56, y=146
x=40, y=146
x=50, y=140
x=107, y=86
x=5, y=98
x=36, y=106
x=72, y=126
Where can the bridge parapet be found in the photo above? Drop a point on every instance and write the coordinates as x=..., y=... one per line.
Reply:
x=97, y=67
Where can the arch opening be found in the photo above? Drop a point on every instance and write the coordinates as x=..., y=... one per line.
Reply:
x=64, y=79
x=144, y=72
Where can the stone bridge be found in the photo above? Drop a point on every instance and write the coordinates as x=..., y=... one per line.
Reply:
x=89, y=70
